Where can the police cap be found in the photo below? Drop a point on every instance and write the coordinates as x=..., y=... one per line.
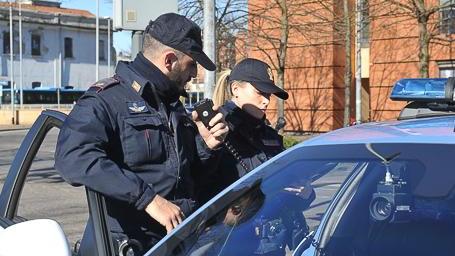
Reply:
x=259, y=74
x=180, y=33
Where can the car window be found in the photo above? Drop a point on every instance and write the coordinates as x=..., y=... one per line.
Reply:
x=46, y=195
x=410, y=211
x=272, y=214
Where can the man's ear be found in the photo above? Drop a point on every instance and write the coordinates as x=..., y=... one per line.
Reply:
x=169, y=59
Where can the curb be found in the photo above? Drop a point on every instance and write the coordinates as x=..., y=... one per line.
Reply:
x=8, y=129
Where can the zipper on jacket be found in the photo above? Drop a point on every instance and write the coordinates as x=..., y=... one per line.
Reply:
x=172, y=131
x=149, y=143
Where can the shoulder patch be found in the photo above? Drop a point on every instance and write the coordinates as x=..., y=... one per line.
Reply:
x=136, y=86
x=104, y=84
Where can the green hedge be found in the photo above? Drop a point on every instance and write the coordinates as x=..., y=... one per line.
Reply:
x=289, y=141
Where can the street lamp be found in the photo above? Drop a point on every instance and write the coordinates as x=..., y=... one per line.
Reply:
x=108, y=45
x=11, y=59
x=21, y=90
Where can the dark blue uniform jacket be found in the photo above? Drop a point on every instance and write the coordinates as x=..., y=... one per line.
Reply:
x=129, y=138
x=254, y=140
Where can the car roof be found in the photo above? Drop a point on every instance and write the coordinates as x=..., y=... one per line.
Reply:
x=439, y=130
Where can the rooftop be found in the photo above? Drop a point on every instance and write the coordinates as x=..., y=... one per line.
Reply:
x=49, y=9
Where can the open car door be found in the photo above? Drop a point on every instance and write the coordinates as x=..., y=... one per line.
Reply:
x=14, y=183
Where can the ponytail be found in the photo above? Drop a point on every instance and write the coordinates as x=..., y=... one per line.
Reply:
x=222, y=92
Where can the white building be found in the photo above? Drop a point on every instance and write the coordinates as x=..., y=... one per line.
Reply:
x=58, y=45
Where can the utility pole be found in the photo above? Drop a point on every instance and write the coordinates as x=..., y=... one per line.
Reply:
x=21, y=89
x=347, y=66
x=13, y=121
x=97, y=62
x=209, y=45
x=55, y=76
x=59, y=79
x=108, y=46
x=136, y=43
x=358, y=73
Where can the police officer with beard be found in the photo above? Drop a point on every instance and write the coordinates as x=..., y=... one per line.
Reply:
x=129, y=137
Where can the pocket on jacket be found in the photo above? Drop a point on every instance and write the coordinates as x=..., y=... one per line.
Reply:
x=143, y=140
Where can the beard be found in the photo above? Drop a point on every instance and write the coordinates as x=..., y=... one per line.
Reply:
x=177, y=80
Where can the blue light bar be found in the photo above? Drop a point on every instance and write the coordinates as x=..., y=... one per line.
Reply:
x=423, y=89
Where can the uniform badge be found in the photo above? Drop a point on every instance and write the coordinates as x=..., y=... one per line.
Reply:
x=136, y=86
x=137, y=107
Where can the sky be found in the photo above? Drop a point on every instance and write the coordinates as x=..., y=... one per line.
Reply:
x=121, y=40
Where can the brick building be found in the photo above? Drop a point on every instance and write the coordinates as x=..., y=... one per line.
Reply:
x=315, y=59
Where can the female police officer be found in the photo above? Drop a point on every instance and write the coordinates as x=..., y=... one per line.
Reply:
x=244, y=94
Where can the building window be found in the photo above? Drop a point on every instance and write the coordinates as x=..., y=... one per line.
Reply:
x=193, y=98
x=6, y=44
x=446, y=69
x=364, y=23
x=36, y=45
x=101, y=50
x=447, y=16
x=447, y=72
x=68, y=47
x=6, y=48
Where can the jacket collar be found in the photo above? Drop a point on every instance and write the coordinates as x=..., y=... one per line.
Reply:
x=144, y=73
x=238, y=119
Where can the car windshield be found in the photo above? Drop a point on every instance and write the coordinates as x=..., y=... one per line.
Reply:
x=271, y=210
x=272, y=215
x=409, y=212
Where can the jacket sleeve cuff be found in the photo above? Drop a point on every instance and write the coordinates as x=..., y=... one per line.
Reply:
x=203, y=150
x=145, y=198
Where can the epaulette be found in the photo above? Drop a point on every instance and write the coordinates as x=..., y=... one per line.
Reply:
x=103, y=84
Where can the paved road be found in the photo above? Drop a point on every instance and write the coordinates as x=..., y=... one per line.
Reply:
x=45, y=194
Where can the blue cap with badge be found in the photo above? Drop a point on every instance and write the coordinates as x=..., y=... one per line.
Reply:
x=259, y=74
x=180, y=33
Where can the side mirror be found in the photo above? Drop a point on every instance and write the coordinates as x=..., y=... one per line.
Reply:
x=34, y=237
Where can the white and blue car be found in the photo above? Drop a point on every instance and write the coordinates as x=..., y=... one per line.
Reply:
x=385, y=188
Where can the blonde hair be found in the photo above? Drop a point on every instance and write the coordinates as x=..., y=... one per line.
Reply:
x=222, y=92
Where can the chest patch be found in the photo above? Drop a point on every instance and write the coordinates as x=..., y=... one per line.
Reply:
x=136, y=107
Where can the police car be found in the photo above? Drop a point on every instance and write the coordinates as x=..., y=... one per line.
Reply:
x=385, y=188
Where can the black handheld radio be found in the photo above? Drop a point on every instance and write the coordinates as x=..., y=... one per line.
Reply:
x=205, y=112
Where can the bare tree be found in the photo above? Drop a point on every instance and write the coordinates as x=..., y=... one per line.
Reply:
x=285, y=24
x=425, y=14
x=348, y=72
x=269, y=30
x=277, y=44
x=231, y=19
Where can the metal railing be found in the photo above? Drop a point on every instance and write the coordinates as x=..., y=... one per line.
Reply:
x=37, y=106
